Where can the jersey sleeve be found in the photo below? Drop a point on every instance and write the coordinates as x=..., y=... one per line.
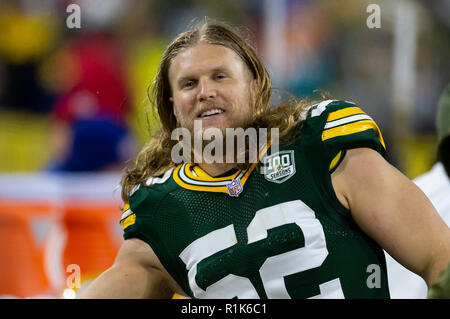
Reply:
x=149, y=217
x=343, y=125
x=330, y=129
x=134, y=218
x=140, y=216
x=141, y=219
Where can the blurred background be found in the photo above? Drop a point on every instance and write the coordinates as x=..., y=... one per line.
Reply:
x=74, y=105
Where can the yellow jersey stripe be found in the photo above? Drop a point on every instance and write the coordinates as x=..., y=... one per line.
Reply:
x=179, y=181
x=336, y=115
x=130, y=220
x=263, y=152
x=351, y=128
x=126, y=207
x=335, y=161
x=203, y=176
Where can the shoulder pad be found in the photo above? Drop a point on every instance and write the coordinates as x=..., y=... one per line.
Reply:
x=151, y=191
x=342, y=122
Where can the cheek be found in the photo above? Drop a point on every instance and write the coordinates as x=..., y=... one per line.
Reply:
x=183, y=110
x=245, y=101
x=185, y=101
x=176, y=112
x=179, y=105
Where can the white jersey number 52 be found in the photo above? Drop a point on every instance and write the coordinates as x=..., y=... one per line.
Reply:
x=275, y=268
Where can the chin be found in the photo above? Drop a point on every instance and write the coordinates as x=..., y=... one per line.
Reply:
x=220, y=125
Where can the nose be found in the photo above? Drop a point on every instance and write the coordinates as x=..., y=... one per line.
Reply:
x=206, y=90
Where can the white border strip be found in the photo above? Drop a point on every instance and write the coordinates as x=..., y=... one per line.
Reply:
x=46, y=186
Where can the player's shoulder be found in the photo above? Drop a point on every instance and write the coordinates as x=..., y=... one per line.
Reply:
x=344, y=124
x=322, y=110
x=331, y=127
x=144, y=197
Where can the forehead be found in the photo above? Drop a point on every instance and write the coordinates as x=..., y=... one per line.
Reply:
x=204, y=57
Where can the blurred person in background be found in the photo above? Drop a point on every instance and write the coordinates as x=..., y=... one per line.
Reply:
x=96, y=144
x=89, y=122
x=94, y=109
x=436, y=185
x=310, y=50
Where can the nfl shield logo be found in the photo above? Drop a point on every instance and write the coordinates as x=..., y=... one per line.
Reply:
x=235, y=187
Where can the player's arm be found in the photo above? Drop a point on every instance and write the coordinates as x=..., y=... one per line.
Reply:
x=393, y=211
x=136, y=273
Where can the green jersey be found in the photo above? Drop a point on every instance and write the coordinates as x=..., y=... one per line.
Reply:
x=276, y=230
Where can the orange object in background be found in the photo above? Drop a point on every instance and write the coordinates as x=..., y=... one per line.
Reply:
x=94, y=237
x=23, y=228
x=56, y=231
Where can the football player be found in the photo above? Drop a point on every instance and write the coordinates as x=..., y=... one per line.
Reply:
x=309, y=219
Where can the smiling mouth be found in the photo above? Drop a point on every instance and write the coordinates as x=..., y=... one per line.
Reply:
x=210, y=112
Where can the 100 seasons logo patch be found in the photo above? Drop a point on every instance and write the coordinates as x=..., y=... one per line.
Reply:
x=279, y=167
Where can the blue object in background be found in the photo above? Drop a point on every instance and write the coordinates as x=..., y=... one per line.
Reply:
x=96, y=145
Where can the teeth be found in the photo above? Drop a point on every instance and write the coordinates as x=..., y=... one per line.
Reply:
x=211, y=112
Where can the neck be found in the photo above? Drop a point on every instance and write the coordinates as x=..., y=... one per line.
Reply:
x=215, y=169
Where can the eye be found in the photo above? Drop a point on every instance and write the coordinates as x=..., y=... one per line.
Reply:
x=188, y=84
x=220, y=76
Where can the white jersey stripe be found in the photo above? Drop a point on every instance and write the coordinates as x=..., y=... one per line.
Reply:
x=348, y=119
x=320, y=108
x=126, y=213
x=159, y=180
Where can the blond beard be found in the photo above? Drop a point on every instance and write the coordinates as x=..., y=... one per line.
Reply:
x=240, y=144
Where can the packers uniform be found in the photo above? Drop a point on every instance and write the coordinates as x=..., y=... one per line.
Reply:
x=276, y=230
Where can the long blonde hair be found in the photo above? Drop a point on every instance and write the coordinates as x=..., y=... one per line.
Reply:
x=155, y=157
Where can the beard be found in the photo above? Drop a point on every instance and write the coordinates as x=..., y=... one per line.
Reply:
x=236, y=140
x=238, y=144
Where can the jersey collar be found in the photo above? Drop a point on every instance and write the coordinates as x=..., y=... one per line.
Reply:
x=192, y=177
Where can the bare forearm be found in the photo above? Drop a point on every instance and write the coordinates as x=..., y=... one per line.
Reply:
x=120, y=282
